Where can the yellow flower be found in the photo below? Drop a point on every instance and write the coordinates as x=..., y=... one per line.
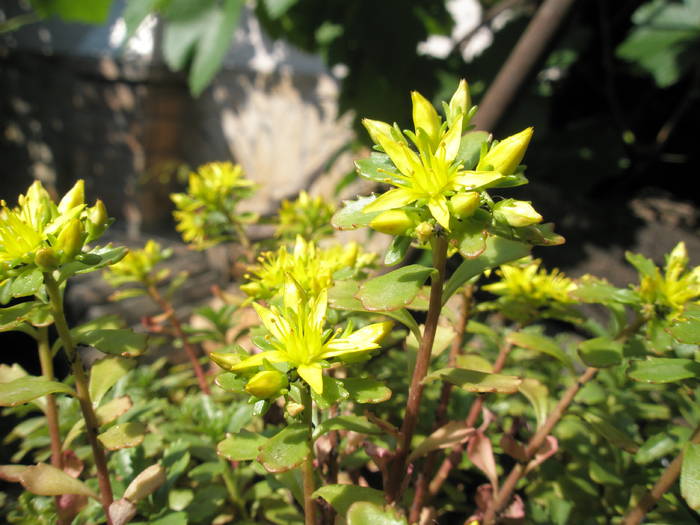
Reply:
x=307, y=216
x=56, y=233
x=312, y=267
x=139, y=266
x=299, y=337
x=433, y=173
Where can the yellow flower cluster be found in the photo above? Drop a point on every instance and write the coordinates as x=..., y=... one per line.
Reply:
x=40, y=233
x=307, y=216
x=139, y=265
x=308, y=264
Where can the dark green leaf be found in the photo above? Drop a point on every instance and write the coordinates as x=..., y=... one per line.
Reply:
x=476, y=381
x=663, y=370
x=104, y=373
x=241, y=447
x=611, y=432
x=26, y=389
x=601, y=352
x=687, y=332
x=364, y=390
x=84, y=11
x=27, y=283
x=286, y=450
x=395, y=289
x=598, y=291
x=230, y=382
x=656, y=447
x=341, y=497
x=13, y=316
x=377, y=167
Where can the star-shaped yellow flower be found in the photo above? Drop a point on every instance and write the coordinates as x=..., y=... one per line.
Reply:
x=300, y=338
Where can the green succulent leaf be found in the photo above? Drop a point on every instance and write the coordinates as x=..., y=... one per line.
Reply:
x=601, y=352
x=393, y=290
x=664, y=370
x=124, y=435
x=687, y=332
x=690, y=475
x=285, y=450
x=26, y=389
x=243, y=446
x=540, y=343
x=364, y=390
x=351, y=216
x=358, y=424
x=123, y=342
x=341, y=497
x=104, y=374
x=45, y=480
x=367, y=513
x=476, y=381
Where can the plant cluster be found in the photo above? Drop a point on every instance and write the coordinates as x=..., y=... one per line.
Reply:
x=355, y=397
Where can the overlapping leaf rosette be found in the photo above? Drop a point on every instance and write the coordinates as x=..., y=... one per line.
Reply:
x=38, y=236
x=440, y=173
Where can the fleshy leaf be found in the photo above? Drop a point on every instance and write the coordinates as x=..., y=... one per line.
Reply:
x=242, y=446
x=122, y=342
x=125, y=435
x=104, y=374
x=540, y=343
x=476, y=381
x=444, y=437
x=663, y=370
x=537, y=394
x=358, y=424
x=285, y=450
x=601, y=352
x=393, y=290
x=498, y=251
x=341, y=497
x=26, y=389
x=687, y=332
x=351, y=216
x=366, y=513
x=363, y=390
x=690, y=475
x=45, y=480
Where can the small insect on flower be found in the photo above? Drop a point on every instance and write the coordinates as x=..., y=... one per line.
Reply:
x=299, y=337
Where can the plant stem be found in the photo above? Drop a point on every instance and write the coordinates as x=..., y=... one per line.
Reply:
x=83, y=392
x=503, y=496
x=398, y=465
x=421, y=492
x=308, y=467
x=46, y=360
x=668, y=478
x=169, y=311
x=233, y=493
x=455, y=456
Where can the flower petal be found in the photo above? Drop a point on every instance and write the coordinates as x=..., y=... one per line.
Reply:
x=313, y=375
x=471, y=180
x=438, y=207
x=319, y=308
x=274, y=322
x=395, y=198
x=255, y=360
x=452, y=140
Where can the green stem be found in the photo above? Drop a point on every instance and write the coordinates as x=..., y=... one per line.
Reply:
x=82, y=390
x=46, y=360
x=308, y=467
x=232, y=489
x=397, y=468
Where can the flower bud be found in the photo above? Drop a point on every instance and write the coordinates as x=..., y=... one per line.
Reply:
x=70, y=240
x=74, y=197
x=393, y=222
x=98, y=214
x=225, y=360
x=266, y=384
x=460, y=101
x=251, y=289
x=465, y=204
x=349, y=255
x=423, y=231
x=46, y=259
x=505, y=156
x=516, y=213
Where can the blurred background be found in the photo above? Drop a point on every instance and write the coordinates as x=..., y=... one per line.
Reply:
x=129, y=95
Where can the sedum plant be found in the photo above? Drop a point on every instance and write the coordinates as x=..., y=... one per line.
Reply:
x=306, y=216
x=487, y=390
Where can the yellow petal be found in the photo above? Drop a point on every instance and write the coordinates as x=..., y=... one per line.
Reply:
x=425, y=116
x=375, y=128
x=313, y=375
x=438, y=208
x=255, y=360
x=505, y=156
x=274, y=323
x=452, y=140
x=320, y=306
x=472, y=180
x=460, y=101
x=395, y=198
